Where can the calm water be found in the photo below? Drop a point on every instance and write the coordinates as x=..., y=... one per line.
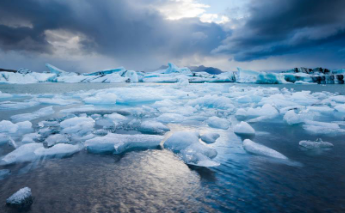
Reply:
x=157, y=181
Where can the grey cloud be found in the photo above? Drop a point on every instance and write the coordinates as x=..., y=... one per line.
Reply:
x=277, y=28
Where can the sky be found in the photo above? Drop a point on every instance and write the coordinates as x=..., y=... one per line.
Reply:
x=89, y=35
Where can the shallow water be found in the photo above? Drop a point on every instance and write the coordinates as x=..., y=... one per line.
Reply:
x=158, y=181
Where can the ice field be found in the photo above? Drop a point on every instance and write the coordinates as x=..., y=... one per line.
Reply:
x=180, y=146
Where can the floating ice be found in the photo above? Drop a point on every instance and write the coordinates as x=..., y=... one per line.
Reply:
x=79, y=125
x=244, y=128
x=30, y=138
x=9, y=105
x=292, y=118
x=101, y=98
x=213, y=101
x=219, y=123
x=22, y=154
x=33, y=115
x=209, y=137
x=118, y=143
x=258, y=149
x=9, y=127
x=171, y=118
x=55, y=139
x=323, y=128
x=59, y=151
x=340, y=108
x=21, y=199
x=153, y=127
x=5, y=95
x=191, y=151
x=318, y=144
x=56, y=101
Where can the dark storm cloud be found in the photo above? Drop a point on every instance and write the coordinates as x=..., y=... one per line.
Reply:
x=277, y=27
x=121, y=28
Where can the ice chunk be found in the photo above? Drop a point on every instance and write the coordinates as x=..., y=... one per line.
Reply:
x=4, y=138
x=118, y=143
x=266, y=110
x=116, y=117
x=21, y=199
x=9, y=105
x=80, y=125
x=209, y=137
x=292, y=118
x=213, y=101
x=219, y=123
x=30, y=138
x=5, y=95
x=318, y=144
x=258, y=149
x=8, y=126
x=101, y=98
x=34, y=115
x=316, y=127
x=22, y=154
x=56, y=101
x=4, y=173
x=191, y=151
x=244, y=128
x=57, y=138
x=171, y=118
x=59, y=150
x=153, y=127
x=340, y=108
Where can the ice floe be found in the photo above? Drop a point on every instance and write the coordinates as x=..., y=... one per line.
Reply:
x=259, y=149
x=118, y=143
x=191, y=151
x=209, y=137
x=318, y=144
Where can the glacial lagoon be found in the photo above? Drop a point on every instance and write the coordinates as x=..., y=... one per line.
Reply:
x=136, y=147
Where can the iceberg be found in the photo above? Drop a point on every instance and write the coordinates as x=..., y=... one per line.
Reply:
x=118, y=143
x=77, y=125
x=258, y=149
x=9, y=105
x=21, y=199
x=243, y=128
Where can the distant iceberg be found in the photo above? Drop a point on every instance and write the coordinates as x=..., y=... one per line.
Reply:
x=175, y=74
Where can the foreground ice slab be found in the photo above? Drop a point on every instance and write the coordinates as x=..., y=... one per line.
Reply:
x=21, y=199
x=118, y=143
x=318, y=144
x=191, y=151
x=258, y=149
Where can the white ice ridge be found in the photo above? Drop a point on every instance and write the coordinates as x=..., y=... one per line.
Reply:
x=190, y=150
x=33, y=115
x=118, y=143
x=258, y=149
